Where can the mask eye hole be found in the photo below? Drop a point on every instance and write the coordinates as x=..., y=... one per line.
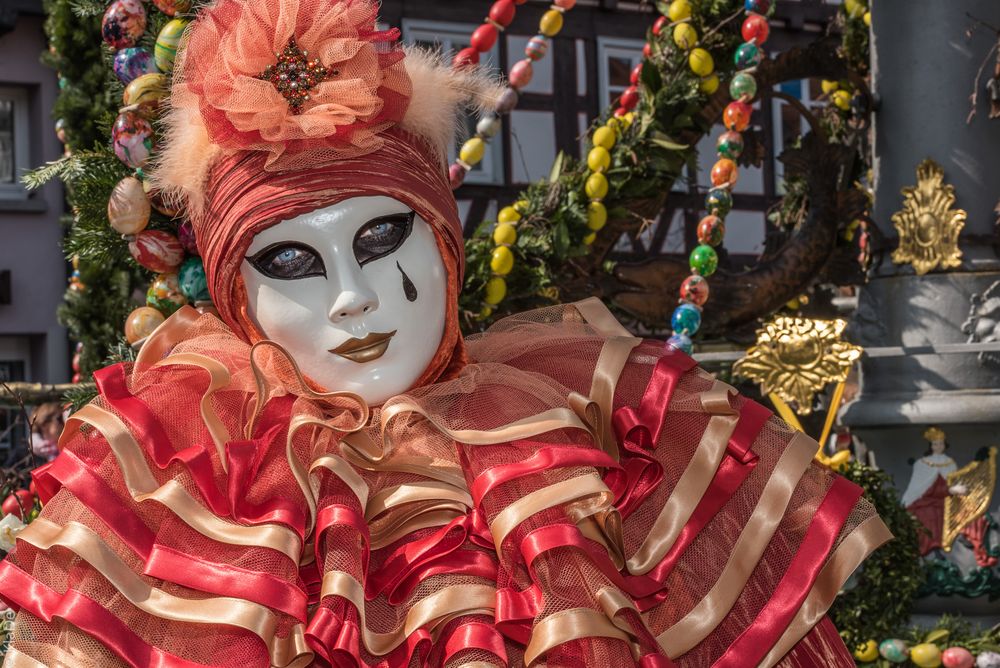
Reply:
x=382, y=236
x=288, y=261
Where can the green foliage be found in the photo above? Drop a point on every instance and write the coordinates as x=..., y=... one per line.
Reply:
x=879, y=602
x=646, y=158
x=87, y=105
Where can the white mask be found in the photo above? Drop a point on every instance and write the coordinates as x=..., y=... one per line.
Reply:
x=326, y=280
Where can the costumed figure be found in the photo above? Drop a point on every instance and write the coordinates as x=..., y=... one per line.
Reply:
x=952, y=502
x=329, y=474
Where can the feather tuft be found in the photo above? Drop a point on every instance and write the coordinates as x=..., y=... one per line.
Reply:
x=440, y=93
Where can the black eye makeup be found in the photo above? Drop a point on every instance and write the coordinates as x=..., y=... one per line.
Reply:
x=288, y=261
x=382, y=236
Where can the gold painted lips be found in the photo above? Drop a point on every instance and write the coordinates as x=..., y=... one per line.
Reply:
x=364, y=350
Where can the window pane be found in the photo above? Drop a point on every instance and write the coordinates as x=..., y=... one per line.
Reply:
x=618, y=71
x=7, y=169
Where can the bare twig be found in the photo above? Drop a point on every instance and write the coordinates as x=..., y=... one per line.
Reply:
x=27, y=421
x=974, y=98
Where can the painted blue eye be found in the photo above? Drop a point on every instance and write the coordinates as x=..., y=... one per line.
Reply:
x=382, y=236
x=288, y=261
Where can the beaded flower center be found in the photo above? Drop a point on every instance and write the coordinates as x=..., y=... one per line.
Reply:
x=294, y=75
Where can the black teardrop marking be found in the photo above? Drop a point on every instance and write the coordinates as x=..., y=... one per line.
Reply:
x=409, y=289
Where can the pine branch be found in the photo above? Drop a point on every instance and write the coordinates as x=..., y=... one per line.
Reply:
x=87, y=8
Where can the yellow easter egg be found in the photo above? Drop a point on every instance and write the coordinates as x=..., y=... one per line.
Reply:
x=502, y=261
x=867, y=653
x=597, y=215
x=685, y=36
x=596, y=186
x=165, y=49
x=589, y=239
x=496, y=290
x=508, y=214
x=605, y=137
x=472, y=151
x=598, y=159
x=679, y=10
x=551, y=23
x=701, y=62
x=504, y=234
x=709, y=84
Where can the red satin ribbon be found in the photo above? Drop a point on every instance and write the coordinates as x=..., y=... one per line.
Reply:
x=22, y=591
x=754, y=643
x=475, y=635
x=736, y=465
x=161, y=561
x=643, y=425
x=545, y=459
x=243, y=457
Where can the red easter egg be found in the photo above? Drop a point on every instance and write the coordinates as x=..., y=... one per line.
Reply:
x=157, y=251
x=10, y=504
x=502, y=12
x=484, y=37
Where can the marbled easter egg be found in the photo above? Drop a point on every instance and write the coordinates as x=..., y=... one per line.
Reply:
x=123, y=24
x=132, y=139
x=173, y=7
x=133, y=62
x=128, y=207
x=141, y=323
x=194, y=284
x=157, y=251
x=165, y=49
x=146, y=91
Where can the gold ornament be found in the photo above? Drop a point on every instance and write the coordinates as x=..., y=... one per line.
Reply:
x=795, y=358
x=980, y=478
x=927, y=225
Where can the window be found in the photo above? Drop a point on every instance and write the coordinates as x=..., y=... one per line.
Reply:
x=13, y=431
x=616, y=58
x=14, y=131
x=452, y=38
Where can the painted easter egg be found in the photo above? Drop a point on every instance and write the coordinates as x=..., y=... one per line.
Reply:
x=128, y=207
x=194, y=284
x=146, y=91
x=165, y=295
x=957, y=657
x=157, y=251
x=141, y=323
x=132, y=139
x=894, y=650
x=165, y=49
x=123, y=24
x=172, y=7
x=133, y=62
x=61, y=131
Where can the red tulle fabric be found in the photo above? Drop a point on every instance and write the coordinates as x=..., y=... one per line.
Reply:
x=207, y=511
x=231, y=43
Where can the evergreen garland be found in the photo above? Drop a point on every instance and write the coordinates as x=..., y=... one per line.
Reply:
x=880, y=597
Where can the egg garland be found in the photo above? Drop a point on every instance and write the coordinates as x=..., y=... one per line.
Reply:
x=925, y=654
x=144, y=75
x=521, y=73
x=704, y=260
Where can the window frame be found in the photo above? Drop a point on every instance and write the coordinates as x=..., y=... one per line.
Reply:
x=22, y=129
x=618, y=47
x=490, y=171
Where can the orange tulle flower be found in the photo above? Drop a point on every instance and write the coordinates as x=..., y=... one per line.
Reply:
x=232, y=70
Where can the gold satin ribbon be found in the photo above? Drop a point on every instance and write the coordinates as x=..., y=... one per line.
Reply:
x=566, y=626
x=427, y=490
x=610, y=363
x=142, y=486
x=542, y=499
x=746, y=553
x=419, y=515
x=693, y=482
x=263, y=388
x=532, y=425
x=597, y=315
x=436, y=609
x=219, y=378
x=341, y=468
x=853, y=549
x=90, y=547
x=365, y=453
x=15, y=659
